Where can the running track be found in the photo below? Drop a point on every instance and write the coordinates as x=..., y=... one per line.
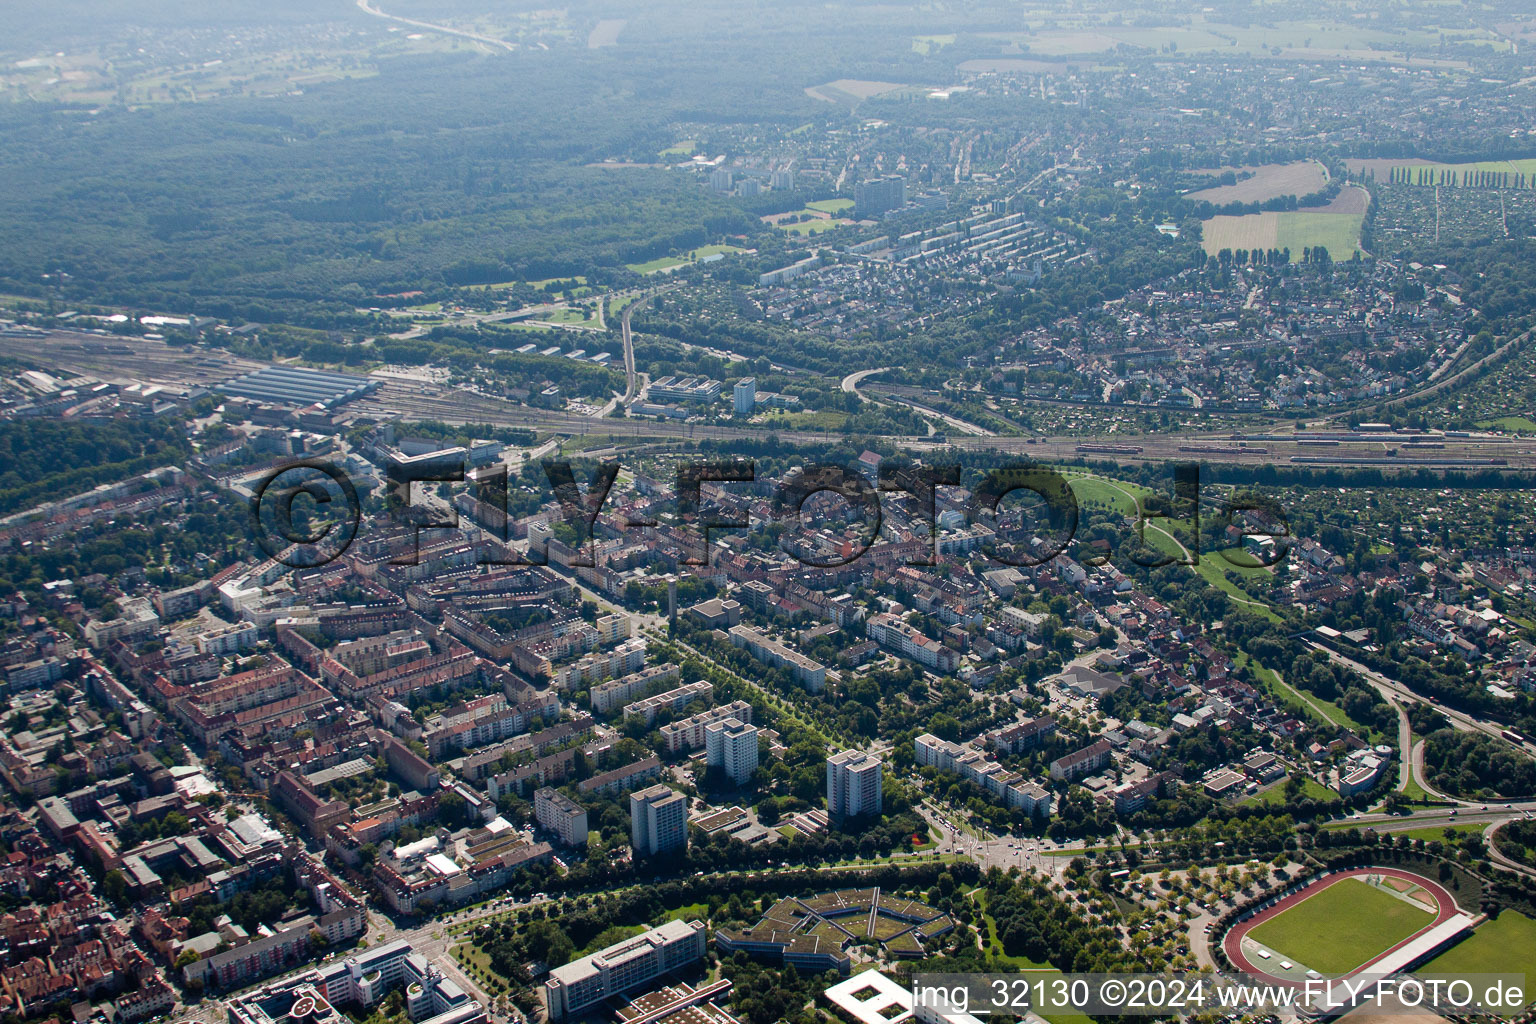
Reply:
x=1233, y=942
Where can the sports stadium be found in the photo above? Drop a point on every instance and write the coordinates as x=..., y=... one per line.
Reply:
x=1377, y=921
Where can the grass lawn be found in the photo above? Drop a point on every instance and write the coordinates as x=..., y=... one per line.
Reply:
x=657, y=264
x=1414, y=791
x=1098, y=491
x=684, y=148
x=1213, y=571
x=661, y=263
x=1503, y=946
x=812, y=227
x=1514, y=424
x=825, y=419
x=1276, y=794
x=1241, y=562
x=1310, y=706
x=1436, y=833
x=566, y=316
x=608, y=936
x=1338, y=929
x=472, y=956
x=687, y=912
x=830, y=205
x=1101, y=491
x=1427, y=834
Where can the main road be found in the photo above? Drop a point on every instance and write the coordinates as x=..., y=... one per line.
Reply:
x=368, y=8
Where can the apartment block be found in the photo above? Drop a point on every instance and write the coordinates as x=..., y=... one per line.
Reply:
x=808, y=672
x=688, y=733
x=675, y=700
x=853, y=784
x=562, y=816
x=731, y=745
x=658, y=821
x=618, y=692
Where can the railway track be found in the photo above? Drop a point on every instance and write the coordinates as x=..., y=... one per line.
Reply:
x=157, y=363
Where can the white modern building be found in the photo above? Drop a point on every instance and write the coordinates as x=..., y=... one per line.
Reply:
x=853, y=784
x=731, y=745
x=562, y=816
x=658, y=821
x=580, y=985
x=745, y=396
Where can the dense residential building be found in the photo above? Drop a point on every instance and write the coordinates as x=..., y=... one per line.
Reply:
x=731, y=746
x=673, y=700
x=744, y=396
x=561, y=815
x=1092, y=758
x=807, y=671
x=876, y=196
x=689, y=733
x=854, y=784
x=1008, y=788
x=627, y=776
x=618, y=692
x=658, y=821
x=895, y=635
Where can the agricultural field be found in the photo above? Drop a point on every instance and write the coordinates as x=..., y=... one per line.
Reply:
x=1336, y=227
x=1505, y=945
x=1269, y=181
x=1298, y=40
x=1019, y=65
x=1381, y=167
x=575, y=316
x=605, y=33
x=1276, y=794
x=1249, y=231
x=1337, y=929
x=927, y=44
x=852, y=91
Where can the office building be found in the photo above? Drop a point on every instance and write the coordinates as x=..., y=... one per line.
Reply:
x=853, y=784
x=745, y=395
x=684, y=389
x=658, y=821
x=581, y=985
x=731, y=745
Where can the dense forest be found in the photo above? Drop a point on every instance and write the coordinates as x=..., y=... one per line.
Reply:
x=45, y=460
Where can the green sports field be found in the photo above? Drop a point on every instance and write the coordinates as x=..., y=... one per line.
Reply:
x=1503, y=946
x=1336, y=930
